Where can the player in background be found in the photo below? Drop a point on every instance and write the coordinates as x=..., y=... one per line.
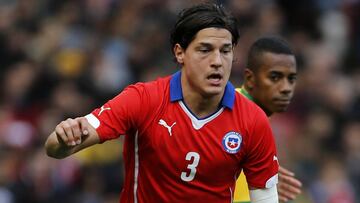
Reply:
x=188, y=135
x=269, y=81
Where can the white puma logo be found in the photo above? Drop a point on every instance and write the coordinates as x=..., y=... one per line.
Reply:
x=275, y=159
x=163, y=123
x=103, y=109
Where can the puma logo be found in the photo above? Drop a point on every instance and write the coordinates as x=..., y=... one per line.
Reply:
x=275, y=159
x=163, y=123
x=103, y=109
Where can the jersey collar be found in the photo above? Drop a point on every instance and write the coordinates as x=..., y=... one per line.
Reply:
x=176, y=91
x=244, y=92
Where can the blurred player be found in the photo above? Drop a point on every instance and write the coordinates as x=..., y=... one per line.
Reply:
x=270, y=79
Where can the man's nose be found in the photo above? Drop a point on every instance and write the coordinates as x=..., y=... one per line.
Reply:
x=216, y=61
x=286, y=87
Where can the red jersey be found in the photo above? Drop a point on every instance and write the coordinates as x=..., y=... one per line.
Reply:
x=172, y=156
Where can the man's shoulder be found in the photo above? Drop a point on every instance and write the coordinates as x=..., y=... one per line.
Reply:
x=153, y=86
x=242, y=99
x=246, y=106
x=244, y=92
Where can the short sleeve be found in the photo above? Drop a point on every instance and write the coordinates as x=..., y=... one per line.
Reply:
x=118, y=115
x=261, y=165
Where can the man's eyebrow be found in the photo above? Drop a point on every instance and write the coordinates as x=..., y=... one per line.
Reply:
x=275, y=71
x=282, y=74
x=205, y=44
x=210, y=45
x=228, y=45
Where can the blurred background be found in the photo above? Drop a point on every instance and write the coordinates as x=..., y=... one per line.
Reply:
x=61, y=59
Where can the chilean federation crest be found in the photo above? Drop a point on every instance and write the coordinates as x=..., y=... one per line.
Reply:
x=232, y=142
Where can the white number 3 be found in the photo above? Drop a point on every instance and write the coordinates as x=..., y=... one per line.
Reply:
x=190, y=176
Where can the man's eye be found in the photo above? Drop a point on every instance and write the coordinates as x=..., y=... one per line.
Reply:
x=274, y=77
x=226, y=51
x=292, y=79
x=204, y=50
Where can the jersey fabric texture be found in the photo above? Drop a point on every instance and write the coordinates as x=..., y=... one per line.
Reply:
x=171, y=155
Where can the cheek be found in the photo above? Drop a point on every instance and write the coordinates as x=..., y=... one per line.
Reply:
x=228, y=65
x=270, y=95
x=228, y=60
x=196, y=62
x=268, y=90
x=264, y=85
x=194, y=71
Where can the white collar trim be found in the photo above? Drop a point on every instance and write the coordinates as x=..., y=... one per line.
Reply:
x=199, y=123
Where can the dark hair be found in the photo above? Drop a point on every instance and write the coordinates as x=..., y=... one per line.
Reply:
x=266, y=44
x=194, y=19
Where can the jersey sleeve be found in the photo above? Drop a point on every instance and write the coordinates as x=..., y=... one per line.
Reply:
x=120, y=114
x=261, y=166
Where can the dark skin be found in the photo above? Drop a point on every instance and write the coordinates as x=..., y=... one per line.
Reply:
x=272, y=86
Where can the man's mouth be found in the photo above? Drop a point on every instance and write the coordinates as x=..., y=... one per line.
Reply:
x=283, y=101
x=215, y=78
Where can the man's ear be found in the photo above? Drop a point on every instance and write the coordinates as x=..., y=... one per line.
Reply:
x=179, y=53
x=249, y=79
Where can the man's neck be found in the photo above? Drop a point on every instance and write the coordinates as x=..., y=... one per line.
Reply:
x=246, y=93
x=250, y=96
x=200, y=105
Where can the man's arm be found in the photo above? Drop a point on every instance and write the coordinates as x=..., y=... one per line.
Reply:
x=71, y=136
x=264, y=195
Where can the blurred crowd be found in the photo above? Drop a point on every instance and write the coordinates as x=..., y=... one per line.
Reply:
x=61, y=59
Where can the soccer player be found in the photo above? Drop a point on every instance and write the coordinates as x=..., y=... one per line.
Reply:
x=269, y=81
x=187, y=135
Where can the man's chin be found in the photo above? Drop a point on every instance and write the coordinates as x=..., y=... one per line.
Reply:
x=281, y=109
x=213, y=91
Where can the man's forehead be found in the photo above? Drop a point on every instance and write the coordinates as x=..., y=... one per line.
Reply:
x=280, y=69
x=278, y=62
x=207, y=35
x=209, y=44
